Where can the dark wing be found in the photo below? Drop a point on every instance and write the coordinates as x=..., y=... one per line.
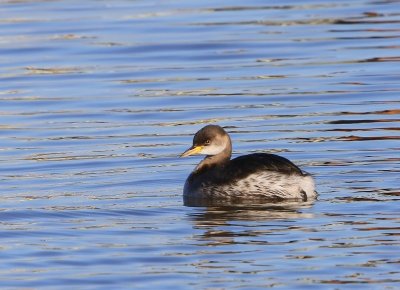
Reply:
x=252, y=163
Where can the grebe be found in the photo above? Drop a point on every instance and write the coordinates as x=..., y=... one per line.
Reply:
x=253, y=176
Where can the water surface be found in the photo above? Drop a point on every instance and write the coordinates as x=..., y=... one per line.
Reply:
x=98, y=99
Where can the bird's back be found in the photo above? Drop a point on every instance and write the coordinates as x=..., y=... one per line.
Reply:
x=252, y=163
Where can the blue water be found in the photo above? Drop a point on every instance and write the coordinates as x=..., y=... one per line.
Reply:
x=99, y=98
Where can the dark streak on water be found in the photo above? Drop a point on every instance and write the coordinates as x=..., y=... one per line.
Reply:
x=98, y=98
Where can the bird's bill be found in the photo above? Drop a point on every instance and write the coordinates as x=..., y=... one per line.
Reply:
x=192, y=151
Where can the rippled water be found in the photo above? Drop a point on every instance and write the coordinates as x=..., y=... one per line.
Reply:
x=98, y=98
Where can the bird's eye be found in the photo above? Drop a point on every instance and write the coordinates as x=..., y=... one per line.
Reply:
x=207, y=142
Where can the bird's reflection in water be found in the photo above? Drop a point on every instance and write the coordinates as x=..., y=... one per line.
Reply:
x=223, y=221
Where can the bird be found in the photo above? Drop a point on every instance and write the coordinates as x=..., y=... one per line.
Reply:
x=254, y=176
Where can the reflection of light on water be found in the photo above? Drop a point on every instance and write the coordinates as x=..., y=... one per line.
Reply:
x=98, y=98
x=252, y=212
x=220, y=224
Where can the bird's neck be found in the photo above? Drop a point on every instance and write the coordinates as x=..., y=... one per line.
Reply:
x=215, y=160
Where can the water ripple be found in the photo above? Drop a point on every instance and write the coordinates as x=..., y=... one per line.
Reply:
x=98, y=99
